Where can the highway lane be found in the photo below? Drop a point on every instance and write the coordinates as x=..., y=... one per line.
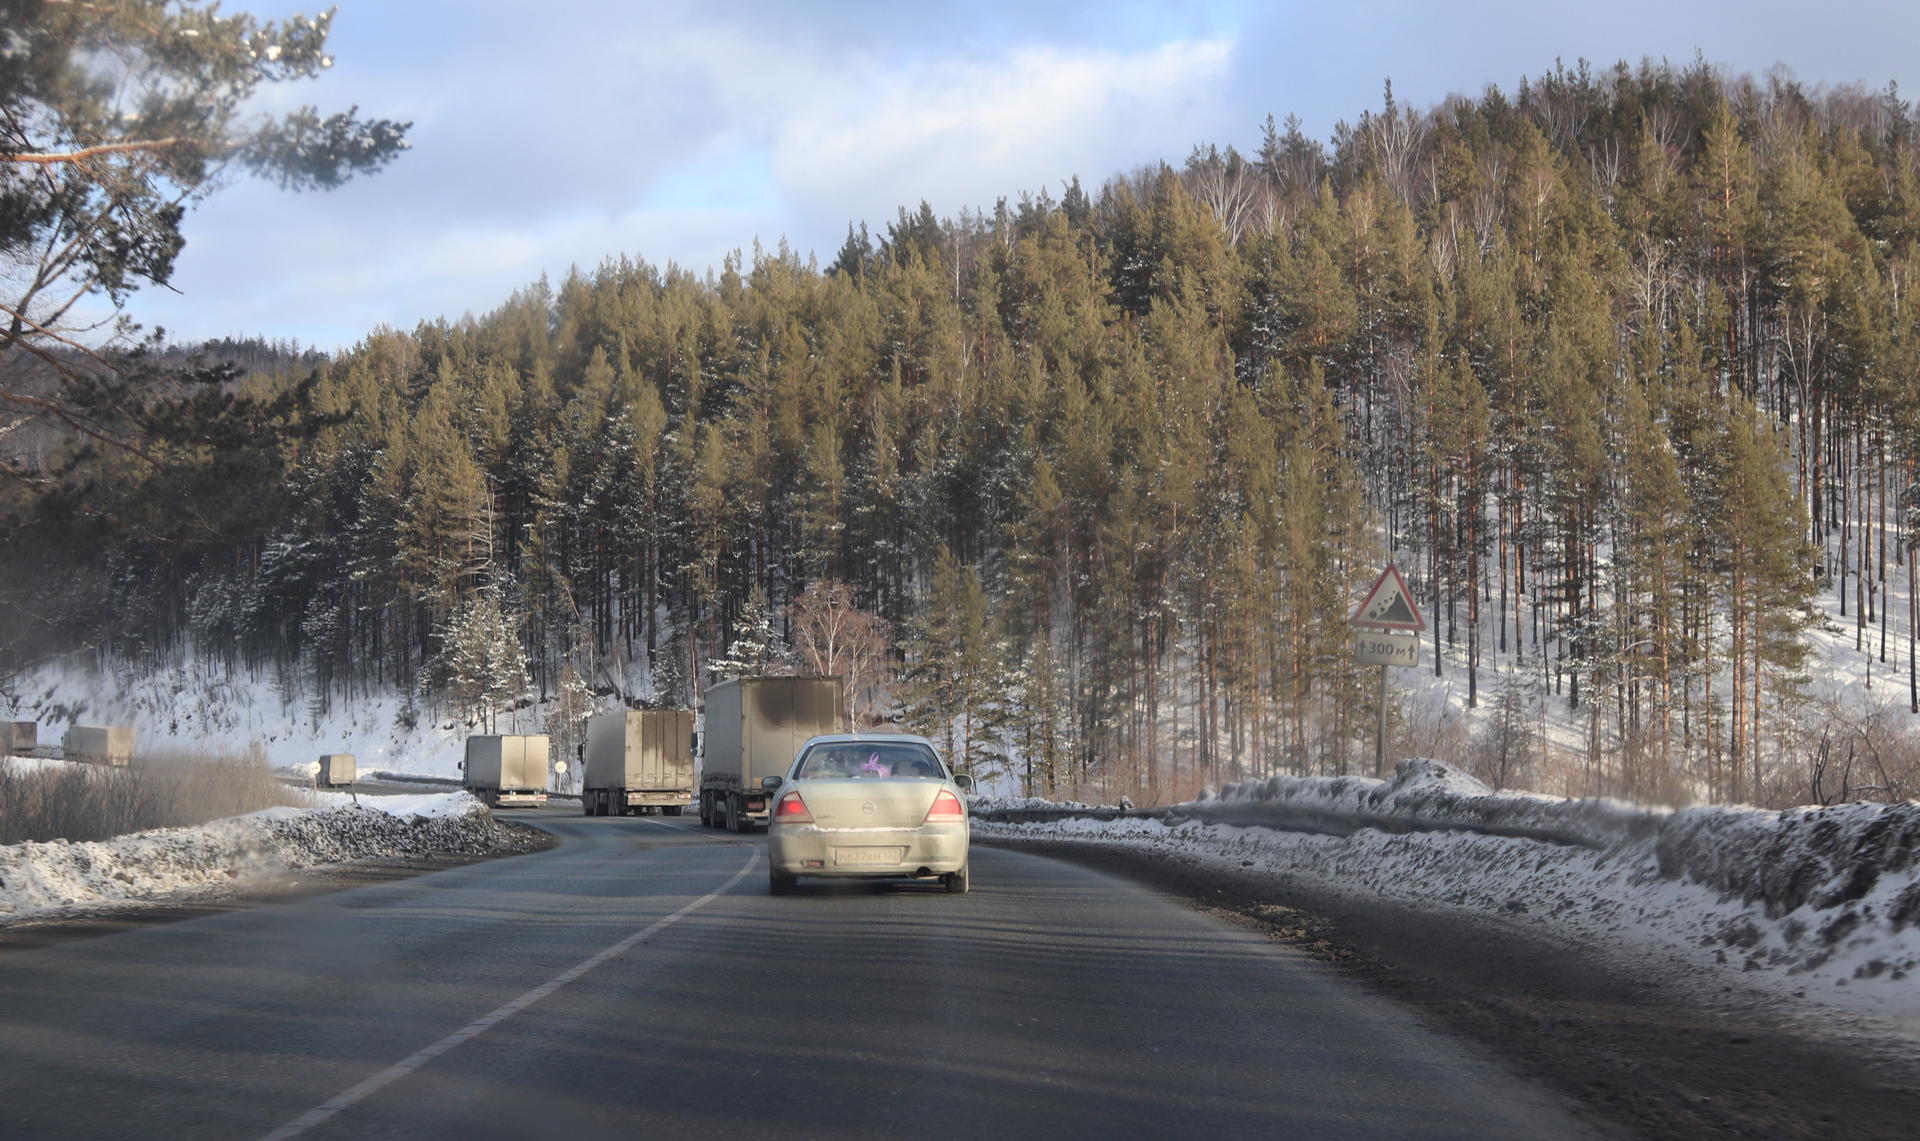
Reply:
x=1051, y=1001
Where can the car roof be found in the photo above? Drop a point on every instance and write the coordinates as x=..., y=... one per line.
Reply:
x=875, y=738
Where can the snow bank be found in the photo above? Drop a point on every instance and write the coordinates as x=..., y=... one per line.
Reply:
x=1808, y=904
x=428, y=805
x=1425, y=795
x=173, y=863
x=1003, y=805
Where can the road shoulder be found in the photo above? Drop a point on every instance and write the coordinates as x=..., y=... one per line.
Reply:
x=1630, y=1052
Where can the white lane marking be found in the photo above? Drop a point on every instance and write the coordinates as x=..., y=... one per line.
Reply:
x=479, y=1026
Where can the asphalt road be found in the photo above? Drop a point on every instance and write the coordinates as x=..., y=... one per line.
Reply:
x=1050, y=1002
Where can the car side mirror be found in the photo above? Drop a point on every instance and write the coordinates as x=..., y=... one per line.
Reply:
x=964, y=781
x=770, y=782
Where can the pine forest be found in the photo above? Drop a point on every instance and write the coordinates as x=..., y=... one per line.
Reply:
x=1618, y=366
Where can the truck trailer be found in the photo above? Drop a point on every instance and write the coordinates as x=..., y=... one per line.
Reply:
x=638, y=760
x=507, y=770
x=336, y=769
x=755, y=727
x=21, y=737
x=99, y=744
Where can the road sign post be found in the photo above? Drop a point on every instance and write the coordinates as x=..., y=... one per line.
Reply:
x=1386, y=633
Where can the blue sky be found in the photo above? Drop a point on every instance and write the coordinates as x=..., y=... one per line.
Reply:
x=560, y=134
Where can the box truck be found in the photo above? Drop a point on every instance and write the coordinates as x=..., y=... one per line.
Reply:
x=638, y=759
x=21, y=737
x=754, y=728
x=99, y=744
x=336, y=769
x=507, y=770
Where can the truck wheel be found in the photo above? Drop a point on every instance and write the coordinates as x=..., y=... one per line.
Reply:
x=671, y=810
x=586, y=804
x=733, y=818
x=956, y=881
x=706, y=814
x=779, y=882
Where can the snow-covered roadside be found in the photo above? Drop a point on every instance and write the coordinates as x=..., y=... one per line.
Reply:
x=1816, y=908
x=197, y=706
x=175, y=863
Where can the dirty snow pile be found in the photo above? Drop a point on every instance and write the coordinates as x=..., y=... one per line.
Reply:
x=172, y=863
x=999, y=804
x=1810, y=902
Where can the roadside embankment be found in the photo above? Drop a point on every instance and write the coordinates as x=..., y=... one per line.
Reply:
x=1819, y=904
x=41, y=879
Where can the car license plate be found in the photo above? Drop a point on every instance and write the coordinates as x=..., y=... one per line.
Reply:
x=868, y=855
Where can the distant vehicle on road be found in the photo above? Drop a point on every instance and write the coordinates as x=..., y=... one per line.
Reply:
x=869, y=806
x=336, y=769
x=506, y=769
x=99, y=744
x=755, y=727
x=638, y=760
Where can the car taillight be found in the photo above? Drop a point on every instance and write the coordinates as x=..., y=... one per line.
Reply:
x=792, y=810
x=946, y=806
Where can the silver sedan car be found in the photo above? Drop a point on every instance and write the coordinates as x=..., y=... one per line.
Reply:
x=871, y=806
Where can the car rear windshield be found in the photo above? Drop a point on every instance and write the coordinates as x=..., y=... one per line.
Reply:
x=854, y=760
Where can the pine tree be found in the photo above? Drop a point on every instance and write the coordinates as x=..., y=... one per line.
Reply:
x=757, y=648
x=481, y=669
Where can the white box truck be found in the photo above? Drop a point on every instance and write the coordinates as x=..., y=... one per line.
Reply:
x=755, y=727
x=336, y=769
x=99, y=744
x=637, y=760
x=507, y=769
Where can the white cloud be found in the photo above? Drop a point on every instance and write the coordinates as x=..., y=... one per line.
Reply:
x=973, y=129
x=676, y=130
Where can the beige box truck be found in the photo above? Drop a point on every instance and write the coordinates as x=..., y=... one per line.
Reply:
x=99, y=744
x=638, y=759
x=336, y=768
x=507, y=769
x=19, y=736
x=754, y=728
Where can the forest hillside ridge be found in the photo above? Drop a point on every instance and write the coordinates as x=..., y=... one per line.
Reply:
x=1619, y=367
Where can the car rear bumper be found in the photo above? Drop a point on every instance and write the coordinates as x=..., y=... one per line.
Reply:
x=807, y=850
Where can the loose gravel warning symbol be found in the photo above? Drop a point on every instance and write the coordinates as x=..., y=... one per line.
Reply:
x=1389, y=605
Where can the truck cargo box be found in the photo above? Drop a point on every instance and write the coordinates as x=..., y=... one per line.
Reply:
x=19, y=736
x=508, y=769
x=645, y=755
x=99, y=744
x=754, y=728
x=337, y=768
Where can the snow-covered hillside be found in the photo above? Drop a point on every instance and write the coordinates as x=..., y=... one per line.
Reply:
x=1439, y=721
x=198, y=706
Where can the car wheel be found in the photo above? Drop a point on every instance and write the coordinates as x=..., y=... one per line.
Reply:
x=779, y=882
x=956, y=881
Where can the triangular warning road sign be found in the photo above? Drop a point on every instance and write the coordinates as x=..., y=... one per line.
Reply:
x=1389, y=605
